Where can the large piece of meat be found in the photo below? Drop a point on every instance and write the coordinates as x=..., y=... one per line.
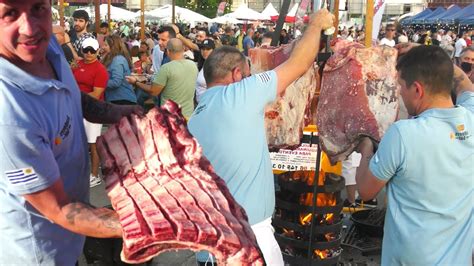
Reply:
x=359, y=97
x=167, y=194
x=287, y=116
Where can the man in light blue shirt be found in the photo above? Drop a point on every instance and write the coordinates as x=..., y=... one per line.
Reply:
x=427, y=164
x=229, y=125
x=44, y=168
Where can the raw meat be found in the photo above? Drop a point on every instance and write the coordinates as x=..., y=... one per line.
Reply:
x=167, y=194
x=286, y=117
x=359, y=97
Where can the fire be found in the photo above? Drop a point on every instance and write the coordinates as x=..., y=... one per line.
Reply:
x=321, y=253
x=323, y=199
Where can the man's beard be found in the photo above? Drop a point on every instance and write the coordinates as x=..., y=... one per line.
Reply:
x=78, y=28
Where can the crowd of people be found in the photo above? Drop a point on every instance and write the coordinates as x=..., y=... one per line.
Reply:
x=57, y=93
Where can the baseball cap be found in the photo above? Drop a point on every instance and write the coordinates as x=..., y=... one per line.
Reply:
x=90, y=42
x=81, y=14
x=208, y=44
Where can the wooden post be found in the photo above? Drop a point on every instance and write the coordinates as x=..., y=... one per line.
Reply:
x=142, y=19
x=108, y=12
x=369, y=17
x=61, y=13
x=97, y=15
x=336, y=15
x=173, y=6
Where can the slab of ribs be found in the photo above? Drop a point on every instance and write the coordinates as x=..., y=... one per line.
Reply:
x=359, y=97
x=167, y=194
x=287, y=116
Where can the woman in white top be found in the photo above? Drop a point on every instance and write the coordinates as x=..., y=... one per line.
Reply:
x=206, y=49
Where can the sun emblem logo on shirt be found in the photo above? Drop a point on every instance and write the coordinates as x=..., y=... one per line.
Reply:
x=57, y=141
x=28, y=171
x=461, y=134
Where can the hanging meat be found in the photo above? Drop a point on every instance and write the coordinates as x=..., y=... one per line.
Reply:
x=286, y=117
x=359, y=97
x=167, y=194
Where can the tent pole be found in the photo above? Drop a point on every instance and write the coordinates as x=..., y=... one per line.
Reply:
x=142, y=19
x=173, y=7
x=108, y=12
x=281, y=20
x=336, y=15
x=61, y=13
x=97, y=15
x=369, y=17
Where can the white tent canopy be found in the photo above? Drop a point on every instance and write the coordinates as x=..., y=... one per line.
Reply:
x=245, y=13
x=293, y=10
x=116, y=13
x=270, y=10
x=226, y=20
x=181, y=14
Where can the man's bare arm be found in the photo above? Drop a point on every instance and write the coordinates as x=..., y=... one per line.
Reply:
x=304, y=52
x=76, y=217
x=101, y=112
x=461, y=82
x=367, y=184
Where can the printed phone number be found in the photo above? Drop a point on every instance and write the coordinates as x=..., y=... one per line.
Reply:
x=289, y=167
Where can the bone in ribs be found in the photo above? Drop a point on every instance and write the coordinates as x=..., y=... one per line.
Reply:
x=167, y=194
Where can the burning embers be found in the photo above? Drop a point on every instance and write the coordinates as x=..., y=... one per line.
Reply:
x=307, y=227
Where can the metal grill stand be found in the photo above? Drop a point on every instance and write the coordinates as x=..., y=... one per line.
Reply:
x=299, y=246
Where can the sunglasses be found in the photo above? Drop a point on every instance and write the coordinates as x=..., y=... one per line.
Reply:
x=89, y=50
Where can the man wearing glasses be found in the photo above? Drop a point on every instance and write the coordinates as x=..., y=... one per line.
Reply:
x=389, y=36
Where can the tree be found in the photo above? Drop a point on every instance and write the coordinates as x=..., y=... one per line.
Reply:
x=207, y=8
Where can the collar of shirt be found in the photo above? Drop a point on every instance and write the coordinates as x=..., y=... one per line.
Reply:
x=31, y=83
x=443, y=112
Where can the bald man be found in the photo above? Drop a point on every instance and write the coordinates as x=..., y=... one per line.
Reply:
x=176, y=80
x=65, y=42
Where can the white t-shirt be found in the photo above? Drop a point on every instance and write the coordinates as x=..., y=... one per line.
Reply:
x=201, y=86
x=387, y=42
x=460, y=44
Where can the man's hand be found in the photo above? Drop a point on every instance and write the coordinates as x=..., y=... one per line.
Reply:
x=120, y=111
x=366, y=146
x=175, y=28
x=96, y=111
x=323, y=19
x=131, y=79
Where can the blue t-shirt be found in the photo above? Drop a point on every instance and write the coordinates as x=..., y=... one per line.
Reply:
x=428, y=162
x=42, y=139
x=248, y=43
x=229, y=125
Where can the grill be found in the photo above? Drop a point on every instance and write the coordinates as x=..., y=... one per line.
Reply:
x=308, y=227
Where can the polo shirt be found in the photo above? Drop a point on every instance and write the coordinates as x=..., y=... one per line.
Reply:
x=229, y=124
x=42, y=140
x=428, y=162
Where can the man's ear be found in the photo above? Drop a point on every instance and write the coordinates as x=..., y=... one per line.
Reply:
x=419, y=89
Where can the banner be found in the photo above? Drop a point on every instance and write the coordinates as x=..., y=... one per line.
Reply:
x=301, y=12
x=220, y=9
x=379, y=9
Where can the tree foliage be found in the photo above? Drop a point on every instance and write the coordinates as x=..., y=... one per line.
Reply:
x=207, y=8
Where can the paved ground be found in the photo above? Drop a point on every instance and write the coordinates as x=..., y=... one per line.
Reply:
x=187, y=258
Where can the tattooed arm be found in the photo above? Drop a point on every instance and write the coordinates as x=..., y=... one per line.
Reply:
x=461, y=82
x=76, y=217
x=96, y=111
